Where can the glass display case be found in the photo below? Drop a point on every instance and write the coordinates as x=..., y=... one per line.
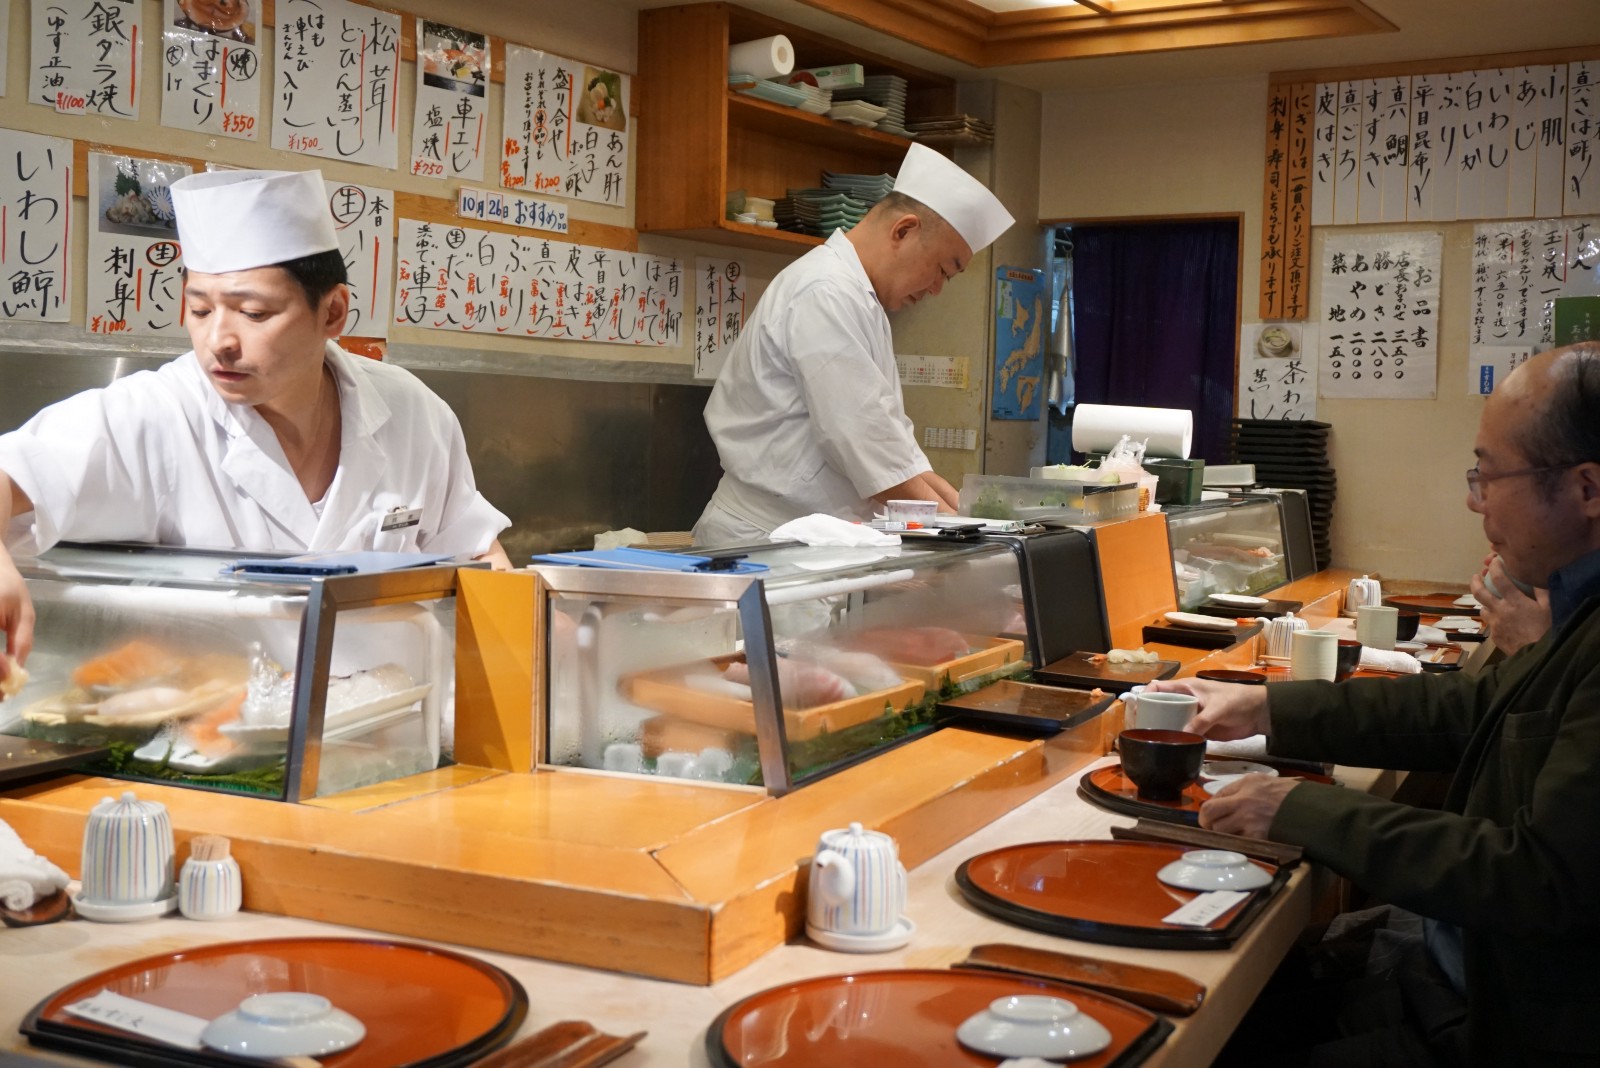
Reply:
x=774, y=678
x=287, y=689
x=1231, y=546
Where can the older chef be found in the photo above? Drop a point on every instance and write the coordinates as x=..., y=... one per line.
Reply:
x=266, y=436
x=807, y=413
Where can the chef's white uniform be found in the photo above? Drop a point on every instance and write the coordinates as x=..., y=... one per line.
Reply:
x=807, y=413
x=159, y=457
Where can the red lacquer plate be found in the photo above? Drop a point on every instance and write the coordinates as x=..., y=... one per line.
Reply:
x=1100, y=891
x=903, y=1019
x=422, y=1007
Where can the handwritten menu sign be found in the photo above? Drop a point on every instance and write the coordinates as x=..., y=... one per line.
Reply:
x=1519, y=269
x=35, y=212
x=565, y=128
x=135, y=283
x=5, y=20
x=363, y=217
x=1379, y=321
x=211, y=69
x=1487, y=144
x=1278, y=371
x=509, y=209
x=85, y=57
x=464, y=278
x=336, y=81
x=718, y=313
x=447, y=126
x=1274, y=224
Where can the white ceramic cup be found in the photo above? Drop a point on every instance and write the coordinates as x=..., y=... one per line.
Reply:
x=1159, y=711
x=1314, y=655
x=1377, y=625
x=857, y=885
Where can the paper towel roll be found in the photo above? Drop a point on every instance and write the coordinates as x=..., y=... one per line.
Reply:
x=1166, y=431
x=766, y=58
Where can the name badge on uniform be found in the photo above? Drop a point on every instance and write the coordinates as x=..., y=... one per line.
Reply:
x=400, y=518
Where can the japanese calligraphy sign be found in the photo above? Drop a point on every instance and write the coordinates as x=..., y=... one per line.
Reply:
x=1278, y=371
x=565, y=128
x=1286, y=202
x=1582, y=190
x=35, y=213
x=465, y=278
x=509, y=209
x=335, y=81
x=447, y=128
x=719, y=293
x=211, y=68
x=85, y=57
x=1380, y=301
x=1519, y=269
x=363, y=217
x=135, y=283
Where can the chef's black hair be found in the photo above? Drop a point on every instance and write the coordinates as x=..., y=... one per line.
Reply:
x=318, y=273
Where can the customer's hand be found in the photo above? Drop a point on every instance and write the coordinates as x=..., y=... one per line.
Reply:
x=1228, y=710
x=1512, y=618
x=1247, y=805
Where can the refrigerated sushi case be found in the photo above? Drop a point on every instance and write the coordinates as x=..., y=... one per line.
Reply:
x=828, y=657
x=187, y=675
x=1232, y=546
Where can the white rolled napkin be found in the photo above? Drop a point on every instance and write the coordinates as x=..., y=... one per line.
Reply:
x=1395, y=660
x=1431, y=635
x=1251, y=748
x=821, y=529
x=25, y=876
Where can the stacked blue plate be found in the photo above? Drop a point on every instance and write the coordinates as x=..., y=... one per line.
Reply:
x=818, y=212
x=790, y=96
x=870, y=188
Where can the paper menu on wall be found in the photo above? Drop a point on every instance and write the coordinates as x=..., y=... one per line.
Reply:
x=1519, y=269
x=1379, y=315
x=135, y=277
x=211, y=70
x=84, y=57
x=1278, y=371
x=565, y=130
x=336, y=68
x=719, y=289
x=36, y=204
x=447, y=128
x=363, y=218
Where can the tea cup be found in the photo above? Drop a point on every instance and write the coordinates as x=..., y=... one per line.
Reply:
x=1159, y=711
x=1314, y=655
x=1378, y=625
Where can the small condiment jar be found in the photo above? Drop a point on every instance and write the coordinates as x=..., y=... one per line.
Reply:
x=209, y=887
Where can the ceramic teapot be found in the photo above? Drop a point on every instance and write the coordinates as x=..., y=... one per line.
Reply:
x=1362, y=591
x=857, y=891
x=1280, y=632
x=127, y=860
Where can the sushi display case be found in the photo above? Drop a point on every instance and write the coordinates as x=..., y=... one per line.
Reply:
x=1233, y=546
x=773, y=679
x=183, y=673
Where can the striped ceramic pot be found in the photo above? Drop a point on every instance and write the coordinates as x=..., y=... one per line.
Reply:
x=209, y=889
x=127, y=853
x=858, y=885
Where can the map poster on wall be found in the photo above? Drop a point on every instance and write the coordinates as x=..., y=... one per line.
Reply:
x=1379, y=316
x=565, y=129
x=1278, y=371
x=84, y=57
x=36, y=204
x=135, y=277
x=1020, y=310
x=211, y=68
x=464, y=278
x=447, y=125
x=335, y=82
x=718, y=312
x=363, y=217
x=1519, y=270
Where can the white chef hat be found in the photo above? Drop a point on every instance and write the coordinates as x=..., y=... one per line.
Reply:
x=236, y=220
x=960, y=199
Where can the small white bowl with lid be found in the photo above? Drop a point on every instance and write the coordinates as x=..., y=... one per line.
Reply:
x=1034, y=1025
x=1214, y=869
x=287, y=1023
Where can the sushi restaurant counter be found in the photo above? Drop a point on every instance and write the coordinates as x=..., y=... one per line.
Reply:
x=35, y=961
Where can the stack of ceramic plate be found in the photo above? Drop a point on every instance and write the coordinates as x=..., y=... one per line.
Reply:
x=953, y=129
x=790, y=96
x=817, y=101
x=888, y=91
x=870, y=188
x=818, y=212
x=857, y=113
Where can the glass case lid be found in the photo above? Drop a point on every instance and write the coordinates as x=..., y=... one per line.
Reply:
x=158, y=565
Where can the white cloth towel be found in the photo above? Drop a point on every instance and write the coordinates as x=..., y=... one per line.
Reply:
x=1395, y=660
x=1251, y=748
x=822, y=529
x=25, y=876
x=1431, y=635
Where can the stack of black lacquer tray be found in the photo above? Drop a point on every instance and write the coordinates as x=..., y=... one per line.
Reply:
x=1291, y=456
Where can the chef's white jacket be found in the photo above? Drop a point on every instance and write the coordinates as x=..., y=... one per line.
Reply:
x=807, y=414
x=159, y=457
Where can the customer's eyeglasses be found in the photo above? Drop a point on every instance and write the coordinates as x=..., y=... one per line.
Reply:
x=1476, y=478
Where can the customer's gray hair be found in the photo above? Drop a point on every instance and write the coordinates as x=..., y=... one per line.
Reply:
x=1567, y=432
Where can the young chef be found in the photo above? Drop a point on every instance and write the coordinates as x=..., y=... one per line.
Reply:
x=265, y=436
x=807, y=413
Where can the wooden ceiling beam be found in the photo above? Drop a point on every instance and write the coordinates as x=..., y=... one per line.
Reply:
x=1110, y=41
x=953, y=28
